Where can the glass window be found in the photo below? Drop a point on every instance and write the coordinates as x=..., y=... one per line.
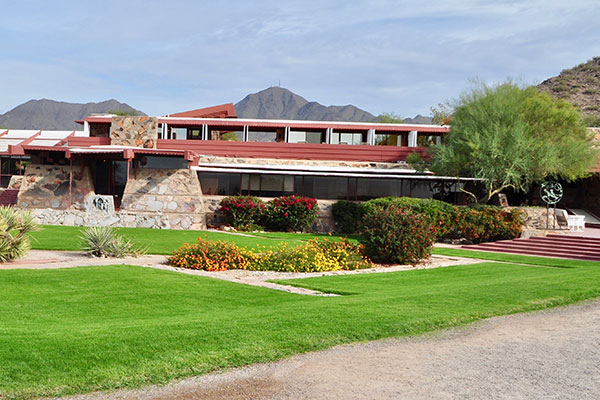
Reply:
x=162, y=162
x=219, y=184
x=297, y=137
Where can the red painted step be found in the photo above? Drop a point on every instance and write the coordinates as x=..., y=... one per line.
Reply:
x=546, y=250
x=535, y=253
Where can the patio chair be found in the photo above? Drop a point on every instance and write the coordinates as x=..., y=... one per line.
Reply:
x=575, y=223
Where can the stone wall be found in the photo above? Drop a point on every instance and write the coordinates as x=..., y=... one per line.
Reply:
x=175, y=193
x=134, y=131
x=118, y=219
x=264, y=161
x=535, y=222
x=47, y=186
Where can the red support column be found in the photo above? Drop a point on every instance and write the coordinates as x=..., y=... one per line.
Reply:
x=70, y=182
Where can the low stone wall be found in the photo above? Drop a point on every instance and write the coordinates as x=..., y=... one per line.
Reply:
x=173, y=193
x=535, y=222
x=47, y=186
x=323, y=224
x=118, y=219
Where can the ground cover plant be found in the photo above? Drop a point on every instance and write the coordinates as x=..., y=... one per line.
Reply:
x=316, y=255
x=123, y=326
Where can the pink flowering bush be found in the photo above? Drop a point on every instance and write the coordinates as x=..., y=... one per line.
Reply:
x=291, y=213
x=242, y=212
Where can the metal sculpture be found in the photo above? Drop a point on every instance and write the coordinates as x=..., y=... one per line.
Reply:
x=551, y=192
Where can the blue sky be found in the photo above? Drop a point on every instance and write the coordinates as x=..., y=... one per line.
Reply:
x=382, y=56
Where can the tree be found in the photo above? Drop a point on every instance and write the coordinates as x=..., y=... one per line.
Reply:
x=511, y=137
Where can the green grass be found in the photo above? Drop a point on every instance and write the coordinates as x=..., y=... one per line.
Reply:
x=53, y=237
x=91, y=328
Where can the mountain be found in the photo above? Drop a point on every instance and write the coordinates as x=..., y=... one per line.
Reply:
x=579, y=85
x=419, y=120
x=56, y=115
x=280, y=103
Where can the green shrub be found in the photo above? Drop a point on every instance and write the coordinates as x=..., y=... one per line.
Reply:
x=211, y=256
x=242, y=212
x=14, y=226
x=396, y=234
x=347, y=215
x=314, y=256
x=481, y=223
x=441, y=215
x=290, y=213
x=103, y=241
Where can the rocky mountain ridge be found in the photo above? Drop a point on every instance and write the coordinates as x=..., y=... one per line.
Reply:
x=580, y=86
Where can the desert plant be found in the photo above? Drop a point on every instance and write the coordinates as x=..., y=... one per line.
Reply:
x=14, y=226
x=396, y=234
x=291, y=213
x=242, y=212
x=103, y=241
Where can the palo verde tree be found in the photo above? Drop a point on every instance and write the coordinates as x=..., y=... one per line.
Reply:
x=511, y=137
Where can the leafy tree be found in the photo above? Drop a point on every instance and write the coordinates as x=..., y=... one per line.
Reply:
x=511, y=137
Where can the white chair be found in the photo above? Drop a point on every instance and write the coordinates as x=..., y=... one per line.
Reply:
x=575, y=223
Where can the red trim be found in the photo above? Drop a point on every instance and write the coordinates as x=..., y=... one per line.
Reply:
x=292, y=151
x=220, y=111
x=77, y=141
x=17, y=150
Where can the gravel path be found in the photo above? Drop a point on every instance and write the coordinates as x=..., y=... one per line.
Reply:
x=553, y=354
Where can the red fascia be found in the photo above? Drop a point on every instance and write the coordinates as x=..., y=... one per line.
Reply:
x=220, y=111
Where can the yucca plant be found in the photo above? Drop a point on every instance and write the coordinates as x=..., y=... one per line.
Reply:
x=103, y=241
x=14, y=226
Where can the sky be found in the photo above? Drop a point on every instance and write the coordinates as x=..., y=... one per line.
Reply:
x=382, y=56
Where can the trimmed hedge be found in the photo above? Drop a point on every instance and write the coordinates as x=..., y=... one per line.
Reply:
x=347, y=215
x=476, y=223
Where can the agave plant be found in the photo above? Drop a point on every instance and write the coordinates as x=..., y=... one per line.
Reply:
x=103, y=241
x=14, y=227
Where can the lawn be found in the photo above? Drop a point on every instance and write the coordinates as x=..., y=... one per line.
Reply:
x=123, y=326
x=159, y=241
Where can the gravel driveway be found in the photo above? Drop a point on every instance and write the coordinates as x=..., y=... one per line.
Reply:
x=553, y=354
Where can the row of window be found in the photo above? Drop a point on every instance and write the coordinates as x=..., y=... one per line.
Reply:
x=320, y=187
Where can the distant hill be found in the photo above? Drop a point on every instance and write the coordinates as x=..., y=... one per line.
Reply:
x=56, y=115
x=579, y=85
x=280, y=103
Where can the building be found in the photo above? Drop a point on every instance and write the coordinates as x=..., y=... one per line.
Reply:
x=172, y=171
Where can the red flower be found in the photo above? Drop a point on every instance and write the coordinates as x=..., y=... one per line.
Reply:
x=285, y=214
